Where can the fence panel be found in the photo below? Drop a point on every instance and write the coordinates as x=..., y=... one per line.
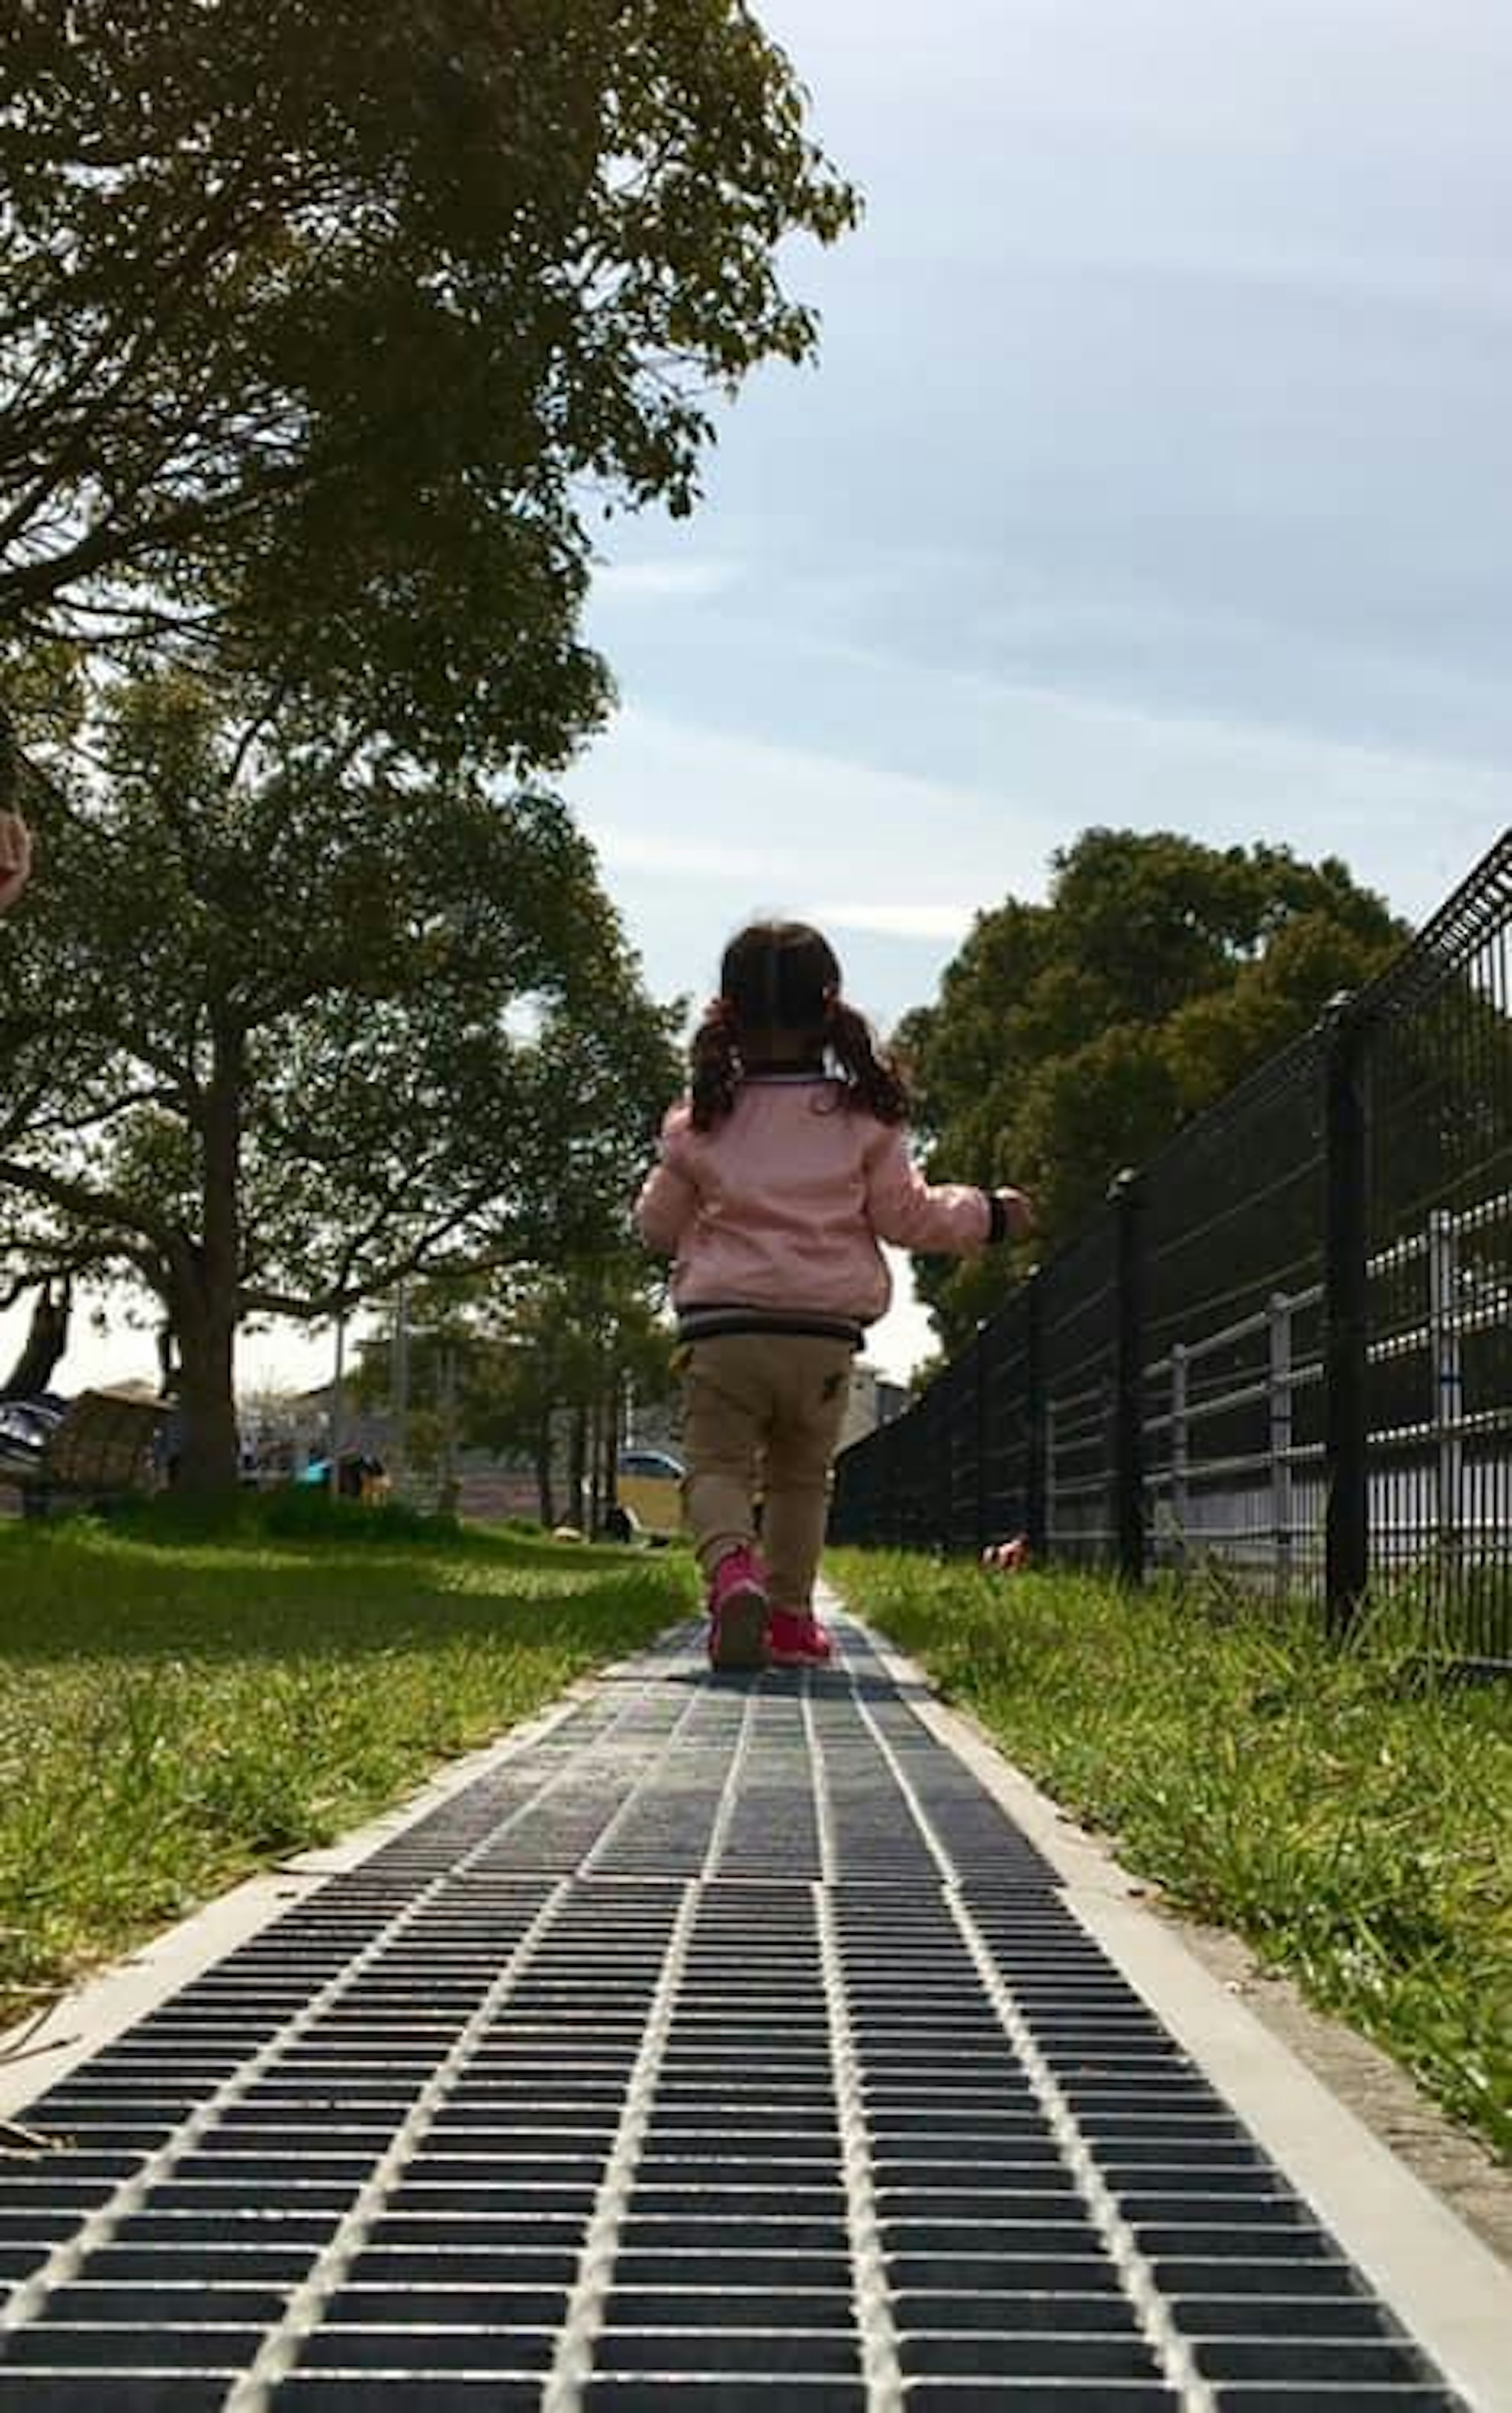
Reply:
x=1232, y=1327
x=1009, y=1439
x=962, y=1444
x=1288, y=1346
x=1439, y=1380
x=1079, y=1363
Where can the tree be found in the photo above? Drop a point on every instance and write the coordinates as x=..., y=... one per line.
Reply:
x=531, y=1381
x=324, y=326
x=46, y=1341
x=564, y=1344
x=285, y=1023
x=536, y=1361
x=1073, y=1037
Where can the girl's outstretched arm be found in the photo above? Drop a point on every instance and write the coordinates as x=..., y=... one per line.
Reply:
x=950, y=1217
x=668, y=1198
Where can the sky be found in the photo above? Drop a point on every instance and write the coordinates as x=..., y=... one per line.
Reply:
x=1154, y=472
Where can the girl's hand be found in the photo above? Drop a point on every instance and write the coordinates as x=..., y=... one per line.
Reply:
x=1019, y=1208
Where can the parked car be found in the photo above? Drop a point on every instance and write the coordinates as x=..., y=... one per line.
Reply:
x=649, y=1495
x=26, y=1426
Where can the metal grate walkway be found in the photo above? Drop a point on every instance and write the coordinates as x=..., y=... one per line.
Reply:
x=727, y=2048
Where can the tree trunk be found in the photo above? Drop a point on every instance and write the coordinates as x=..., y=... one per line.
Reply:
x=207, y=1282
x=610, y=1443
x=207, y=1454
x=46, y=1341
x=577, y=1467
x=543, y=1452
x=595, y=1512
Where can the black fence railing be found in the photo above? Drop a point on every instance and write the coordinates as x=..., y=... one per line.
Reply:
x=1287, y=1344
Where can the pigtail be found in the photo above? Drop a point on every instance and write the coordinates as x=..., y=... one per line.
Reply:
x=873, y=1077
x=715, y=1063
x=782, y=979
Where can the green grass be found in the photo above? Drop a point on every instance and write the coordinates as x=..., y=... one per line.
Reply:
x=1349, y=1813
x=183, y=1700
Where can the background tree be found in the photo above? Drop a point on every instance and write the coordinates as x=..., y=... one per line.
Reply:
x=542, y=1363
x=285, y=1023
x=1073, y=1037
x=324, y=327
x=46, y=1338
x=570, y=1346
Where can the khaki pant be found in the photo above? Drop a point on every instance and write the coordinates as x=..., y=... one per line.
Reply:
x=764, y=1409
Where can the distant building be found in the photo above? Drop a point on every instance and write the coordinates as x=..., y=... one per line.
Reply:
x=874, y=1400
x=655, y=1424
x=282, y=1433
x=286, y=1431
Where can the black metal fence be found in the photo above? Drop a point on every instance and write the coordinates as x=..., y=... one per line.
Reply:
x=1287, y=1344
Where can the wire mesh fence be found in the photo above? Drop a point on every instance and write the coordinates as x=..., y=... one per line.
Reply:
x=1285, y=1346
x=1235, y=1246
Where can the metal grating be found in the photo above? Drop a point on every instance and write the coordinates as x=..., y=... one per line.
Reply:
x=728, y=2048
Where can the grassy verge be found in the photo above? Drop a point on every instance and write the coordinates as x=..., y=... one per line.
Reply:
x=1349, y=1813
x=179, y=1707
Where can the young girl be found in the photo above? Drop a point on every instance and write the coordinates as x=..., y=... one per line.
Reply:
x=780, y=1173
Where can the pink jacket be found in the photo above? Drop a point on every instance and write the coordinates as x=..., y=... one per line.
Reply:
x=782, y=1205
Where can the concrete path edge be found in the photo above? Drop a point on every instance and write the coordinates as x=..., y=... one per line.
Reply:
x=37, y=2053
x=1448, y=2289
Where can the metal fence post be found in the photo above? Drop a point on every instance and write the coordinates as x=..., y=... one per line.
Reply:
x=980, y=1509
x=1126, y=1197
x=1280, y=1318
x=1052, y=1502
x=887, y=1531
x=1036, y=1421
x=1180, y=1454
x=1345, y=1280
x=1446, y=1375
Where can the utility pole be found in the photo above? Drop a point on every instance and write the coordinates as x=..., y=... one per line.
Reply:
x=447, y=1401
x=333, y=1426
x=1129, y=1541
x=399, y=1387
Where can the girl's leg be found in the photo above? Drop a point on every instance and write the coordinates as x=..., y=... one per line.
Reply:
x=725, y=1409
x=812, y=1390
x=723, y=1416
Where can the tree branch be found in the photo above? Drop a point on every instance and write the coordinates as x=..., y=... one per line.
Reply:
x=93, y=1206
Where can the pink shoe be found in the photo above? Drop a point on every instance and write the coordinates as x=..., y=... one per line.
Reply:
x=738, y=1611
x=796, y=1638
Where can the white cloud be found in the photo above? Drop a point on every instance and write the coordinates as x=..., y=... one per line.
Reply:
x=674, y=858
x=1023, y=768
x=663, y=580
x=669, y=795
x=897, y=921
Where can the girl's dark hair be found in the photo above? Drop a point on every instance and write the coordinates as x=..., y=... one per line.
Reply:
x=782, y=976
